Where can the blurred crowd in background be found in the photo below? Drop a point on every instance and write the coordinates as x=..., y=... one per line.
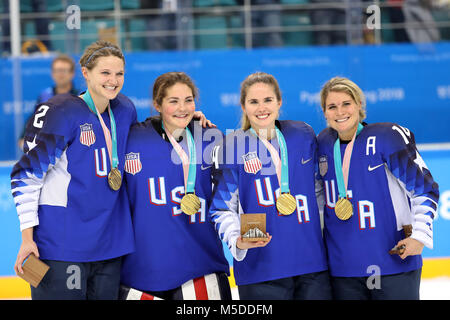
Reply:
x=153, y=25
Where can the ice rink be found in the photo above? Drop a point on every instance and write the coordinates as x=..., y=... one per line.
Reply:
x=435, y=289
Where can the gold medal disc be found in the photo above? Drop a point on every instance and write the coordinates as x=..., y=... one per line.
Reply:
x=190, y=204
x=343, y=209
x=286, y=204
x=114, y=179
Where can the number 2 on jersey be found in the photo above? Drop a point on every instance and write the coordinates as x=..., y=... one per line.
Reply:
x=38, y=123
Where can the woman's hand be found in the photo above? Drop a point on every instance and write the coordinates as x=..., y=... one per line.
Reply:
x=27, y=247
x=243, y=245
x=412, y=247
x=203, y=121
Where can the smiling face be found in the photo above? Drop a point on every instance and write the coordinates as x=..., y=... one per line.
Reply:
x=177, y=107
x=261, y=106
x=342, y=114
x=105, y=79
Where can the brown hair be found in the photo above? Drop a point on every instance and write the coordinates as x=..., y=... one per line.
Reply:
x=99, y=49
x=257, y=77
x=167, y=80
x=340, y=84
x=65, y=58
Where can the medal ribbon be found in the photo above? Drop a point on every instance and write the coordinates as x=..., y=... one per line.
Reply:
x=189, y=163
x=281, y=165
x=342, y=169
x=111, y=140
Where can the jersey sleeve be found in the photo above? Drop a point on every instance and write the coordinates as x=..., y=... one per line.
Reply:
x=225, y=206
x=210, y=138
x=319, y=190
x=406, y=164
x=46, y=138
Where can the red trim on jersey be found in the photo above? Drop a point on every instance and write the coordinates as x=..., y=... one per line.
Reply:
x=201, y=293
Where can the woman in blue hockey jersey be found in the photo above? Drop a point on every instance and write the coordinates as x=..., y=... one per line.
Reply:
x=380, y=200
x=269, y=167
x=168, y=178
x=66, y=186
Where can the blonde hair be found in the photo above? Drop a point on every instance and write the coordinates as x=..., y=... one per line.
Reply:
x=341, y=84
x=99, y=49
x=257, y=77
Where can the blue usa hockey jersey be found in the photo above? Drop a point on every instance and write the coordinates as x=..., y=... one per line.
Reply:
x=245, y=181
x=389, y=186
x=171, y=247
x=60, y=183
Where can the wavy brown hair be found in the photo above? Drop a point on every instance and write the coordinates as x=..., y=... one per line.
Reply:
x=167, y=80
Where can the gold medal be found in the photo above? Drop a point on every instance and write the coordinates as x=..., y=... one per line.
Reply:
x=343, y=209
x=286, y=204
x=190, y=204
x=114, y=179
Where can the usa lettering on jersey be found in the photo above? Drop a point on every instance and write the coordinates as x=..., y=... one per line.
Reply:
x=266, y=197
x=159, y=197
x=365, y=208
x=101, y=166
